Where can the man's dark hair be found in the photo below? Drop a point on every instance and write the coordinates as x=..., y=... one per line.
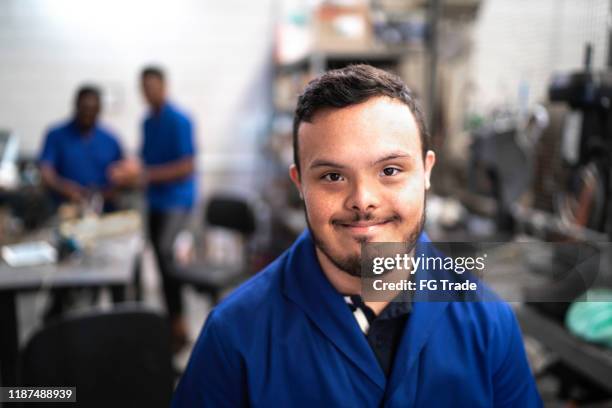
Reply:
x=87, y=90
x=353, y=85
x=154, y=71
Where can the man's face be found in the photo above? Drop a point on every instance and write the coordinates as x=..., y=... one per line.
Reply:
x=154, y=90
x=362, y=177
x=87, y=110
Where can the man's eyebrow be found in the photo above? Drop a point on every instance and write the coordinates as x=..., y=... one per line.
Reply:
x=329, y=163
x=392, y=156
x=326, y=163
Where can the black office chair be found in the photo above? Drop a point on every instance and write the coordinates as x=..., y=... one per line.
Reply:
x=120, y=357
x=234, y=214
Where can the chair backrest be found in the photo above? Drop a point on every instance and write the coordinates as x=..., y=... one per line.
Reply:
x=114, y=358
x=230, y=212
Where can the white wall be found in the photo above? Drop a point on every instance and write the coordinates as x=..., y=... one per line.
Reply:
x=526, y=40
x=215, y=52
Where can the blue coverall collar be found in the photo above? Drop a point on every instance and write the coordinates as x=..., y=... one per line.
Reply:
x=305, y=284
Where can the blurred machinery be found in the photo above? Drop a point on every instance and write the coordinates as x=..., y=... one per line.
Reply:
x=582, y=202
x=586, y=146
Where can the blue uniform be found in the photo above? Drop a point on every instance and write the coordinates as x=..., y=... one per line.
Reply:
x=168, y=136
x=83, y=159
x=286, y=338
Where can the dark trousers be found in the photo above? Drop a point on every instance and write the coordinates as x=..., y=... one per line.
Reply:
x=163, y=227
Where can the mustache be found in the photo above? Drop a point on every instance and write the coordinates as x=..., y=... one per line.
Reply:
x=365, y=217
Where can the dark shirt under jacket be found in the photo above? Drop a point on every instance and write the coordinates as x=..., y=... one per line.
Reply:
x=383, y=332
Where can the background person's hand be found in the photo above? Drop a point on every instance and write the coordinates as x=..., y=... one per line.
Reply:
x=126, y=172
x=73, y=191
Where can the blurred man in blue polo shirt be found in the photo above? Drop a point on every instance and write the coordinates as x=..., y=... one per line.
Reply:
x=167, y=171
x=78, y=153
x=74, y=162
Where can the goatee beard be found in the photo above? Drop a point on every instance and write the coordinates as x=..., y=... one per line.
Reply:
x=352, y=264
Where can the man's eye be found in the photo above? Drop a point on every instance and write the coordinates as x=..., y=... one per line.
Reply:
x=390, y=171
x=332, y=177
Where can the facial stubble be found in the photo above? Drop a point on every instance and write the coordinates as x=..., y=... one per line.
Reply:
x=351, y=264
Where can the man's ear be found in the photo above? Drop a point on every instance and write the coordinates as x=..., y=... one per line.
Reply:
x=430, y=161
x=294, y=174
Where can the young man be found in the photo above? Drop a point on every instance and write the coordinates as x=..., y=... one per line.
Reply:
x=77, y=154
x=167, y=173
x=288, y=337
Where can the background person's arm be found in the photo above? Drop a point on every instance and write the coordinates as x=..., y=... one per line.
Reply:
x=131, y=172
x=67, y=188
x=48, y=162
x=184, y=150
x=173, y=171
x=135, y=172
x=111, y=191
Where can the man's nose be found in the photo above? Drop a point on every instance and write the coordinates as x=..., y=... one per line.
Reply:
x=364, y=196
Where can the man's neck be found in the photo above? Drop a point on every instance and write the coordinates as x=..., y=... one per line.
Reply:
x=84, y=131
x=157, y=108
x=344, y=283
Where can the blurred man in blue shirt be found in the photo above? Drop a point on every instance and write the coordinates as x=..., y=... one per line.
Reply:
x=78, y=153
x=75, y=161
x=167, y=172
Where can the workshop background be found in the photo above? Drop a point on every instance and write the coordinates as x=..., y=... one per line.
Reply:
x=517, y=94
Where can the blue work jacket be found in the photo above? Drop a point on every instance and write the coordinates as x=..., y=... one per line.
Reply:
x=286, y=338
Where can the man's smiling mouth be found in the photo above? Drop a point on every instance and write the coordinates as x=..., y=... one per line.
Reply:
x=363, y=227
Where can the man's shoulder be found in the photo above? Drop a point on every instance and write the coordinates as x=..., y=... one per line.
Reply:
x=147, y=118
x=177, y=114
x=492, y=321
x=59, y=129
x=493, y=311
x=483, y=307
x=255, y=297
